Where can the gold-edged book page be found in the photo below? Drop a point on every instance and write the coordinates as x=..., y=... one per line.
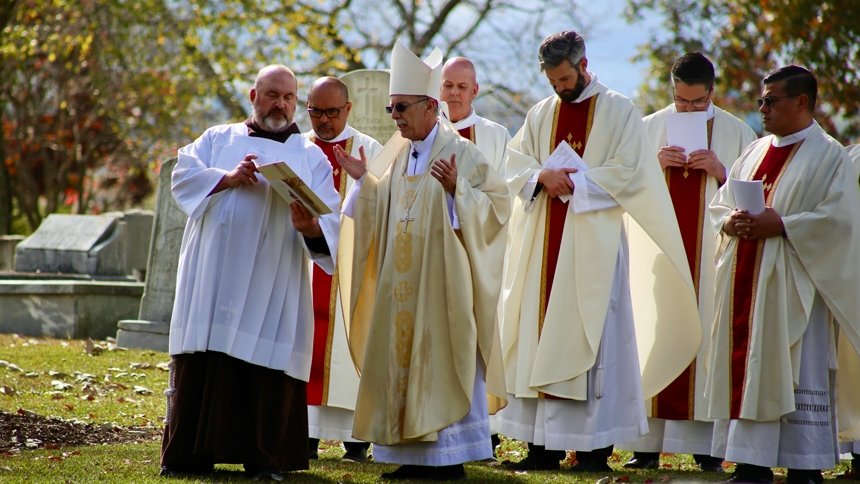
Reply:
x=291, y=187
x=380, y=163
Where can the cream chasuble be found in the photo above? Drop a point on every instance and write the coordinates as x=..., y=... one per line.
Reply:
x=728, y=137
x=624, y=165
x=818, y=200
x=334, y=381
x=491, y=138
x=423, y=296
x=848, y=396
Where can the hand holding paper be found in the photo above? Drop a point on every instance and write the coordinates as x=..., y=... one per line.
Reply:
x=688, y=131
x=749, y=195
x=564, y=157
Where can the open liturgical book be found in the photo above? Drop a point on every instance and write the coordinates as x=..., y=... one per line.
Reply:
x=289, y=186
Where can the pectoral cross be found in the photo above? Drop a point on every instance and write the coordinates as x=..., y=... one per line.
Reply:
x=406, y=220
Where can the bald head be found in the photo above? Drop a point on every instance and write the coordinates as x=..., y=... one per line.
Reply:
x=459, y=87
x=327, y=86
x=273, y=98
x=328, y=107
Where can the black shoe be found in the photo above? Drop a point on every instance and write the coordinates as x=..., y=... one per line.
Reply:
x=708, y=463
x=313, y=449
x=643, y=460
x=539, y=459
x=427, y=473
x=533, y=464
x=178, y=470
x=750, y=474
x=804, y=476
x=263, y=473
x=355, y=451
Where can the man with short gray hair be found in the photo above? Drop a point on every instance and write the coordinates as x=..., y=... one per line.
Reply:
x=572, y=283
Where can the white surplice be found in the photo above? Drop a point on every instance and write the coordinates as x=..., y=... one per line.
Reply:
x=333, y=421
x=242, y=281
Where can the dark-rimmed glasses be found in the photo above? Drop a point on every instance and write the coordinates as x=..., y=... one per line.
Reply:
x=770, y=100
x=331, y=113
x=401, y=107
x=698, y=103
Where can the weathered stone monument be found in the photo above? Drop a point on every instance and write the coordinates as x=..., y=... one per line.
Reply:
x=73, y=276
x=151, y=328
x=7, y=251
x=368, y=91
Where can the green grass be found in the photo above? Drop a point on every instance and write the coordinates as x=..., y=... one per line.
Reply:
x=101, y=398
x=108, y=386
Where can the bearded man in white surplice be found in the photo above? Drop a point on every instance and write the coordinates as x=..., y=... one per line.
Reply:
x=429, y=235
x=678, y=416
x=572, y=359
x=242, y=327
x=787, y=282
x=333, y=384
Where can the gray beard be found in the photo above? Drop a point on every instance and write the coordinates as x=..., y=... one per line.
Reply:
x=270, y=124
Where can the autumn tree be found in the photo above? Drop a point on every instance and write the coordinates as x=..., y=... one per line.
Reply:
x=95, y=93
x=747, y=39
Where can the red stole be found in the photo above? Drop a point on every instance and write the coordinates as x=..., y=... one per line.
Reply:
x=687, y=190
x=571, y=123
x=325, y=295
x=746, y=262
x=468, y=133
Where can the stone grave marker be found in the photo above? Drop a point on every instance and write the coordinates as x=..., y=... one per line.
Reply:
x=151, y=329
x=368, y=92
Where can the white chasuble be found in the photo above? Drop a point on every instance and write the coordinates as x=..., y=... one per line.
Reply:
x=423, y=295
x=242, y=280
x=818, y=200
x=623, y=164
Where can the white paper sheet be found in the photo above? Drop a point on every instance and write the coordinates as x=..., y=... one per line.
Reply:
x=688, y=131
x=749, y=195
x=565, y=157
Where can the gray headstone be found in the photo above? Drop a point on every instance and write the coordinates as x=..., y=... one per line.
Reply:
x=81, y=244
x=138, y=224
x=368, y=91
x=150, y=330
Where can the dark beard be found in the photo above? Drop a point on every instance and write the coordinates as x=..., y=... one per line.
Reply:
x=570, y=95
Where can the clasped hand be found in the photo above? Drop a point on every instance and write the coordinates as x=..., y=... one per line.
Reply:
x=753, y=227
x=556, y=181
x=673, y=156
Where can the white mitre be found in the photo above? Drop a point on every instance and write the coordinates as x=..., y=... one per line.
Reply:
x=410, y=76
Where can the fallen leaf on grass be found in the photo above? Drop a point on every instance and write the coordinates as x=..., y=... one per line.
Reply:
x=88, y=397
x=163, y=366
x=666, y=465
x=141, y=366
x=57, y=374
x=51, y=446
x=10, y=366
x=347, y=476
x=55, y=457
x=8, y=391
x=624, y=479
x=57, y=396
x=142, y=390
x=69, y=407
x=61, y=385
x=84, y=377
x=31, y=374
x=92, y=348
x=92, y=416
x=665, y=479
x=27, y=413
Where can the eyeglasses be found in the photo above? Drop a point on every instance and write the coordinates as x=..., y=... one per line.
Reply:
x=400, y=107
x=770, y=100
x=698, y=103
x=331, y=113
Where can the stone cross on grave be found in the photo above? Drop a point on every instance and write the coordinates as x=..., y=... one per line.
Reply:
x=366, y=92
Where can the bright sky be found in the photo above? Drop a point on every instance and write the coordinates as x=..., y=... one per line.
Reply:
x=612, y=43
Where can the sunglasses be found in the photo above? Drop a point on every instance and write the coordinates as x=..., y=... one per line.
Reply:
x=401, y=107
x=770, y=100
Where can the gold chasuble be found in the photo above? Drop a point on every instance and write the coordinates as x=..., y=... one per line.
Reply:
x=553, y=321
x=423, y=295
x=325, y=294
x=765, y=289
